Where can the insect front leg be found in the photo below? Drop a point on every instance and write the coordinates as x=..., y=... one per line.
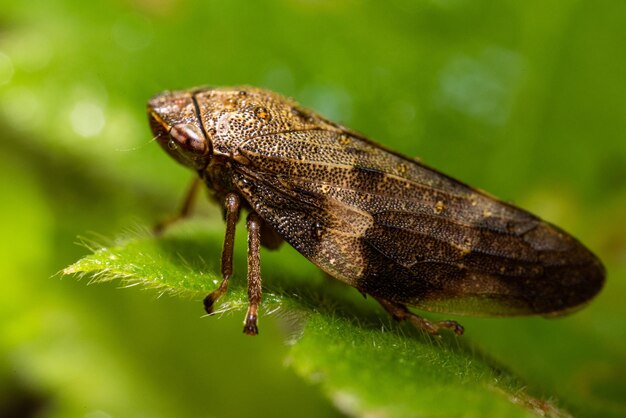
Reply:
x=400, y=313
x=232, y=205
x=254, y=274
x=185, y=210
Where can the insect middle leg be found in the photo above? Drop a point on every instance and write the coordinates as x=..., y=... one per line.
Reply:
x=232, y=206
x=400, y=313
x=254, y=274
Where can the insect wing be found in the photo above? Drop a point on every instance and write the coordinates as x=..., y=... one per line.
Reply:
x=399, y=230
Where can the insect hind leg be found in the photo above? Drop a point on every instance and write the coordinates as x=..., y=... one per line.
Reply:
x=400, y=312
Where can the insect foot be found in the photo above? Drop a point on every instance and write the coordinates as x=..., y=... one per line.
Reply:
x=211, y=298
x=250, y=324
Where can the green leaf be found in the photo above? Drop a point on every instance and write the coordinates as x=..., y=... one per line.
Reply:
x=366, y=364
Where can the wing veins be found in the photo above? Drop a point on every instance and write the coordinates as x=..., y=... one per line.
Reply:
x=294, y=195
x=411, y=199
x=413, y=183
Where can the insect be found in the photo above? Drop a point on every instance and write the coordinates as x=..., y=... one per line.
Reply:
x=385, y=224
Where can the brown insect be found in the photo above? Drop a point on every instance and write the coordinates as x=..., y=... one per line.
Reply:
x=387, y=225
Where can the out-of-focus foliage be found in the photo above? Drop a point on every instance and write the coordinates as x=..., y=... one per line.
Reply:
x=523, y=99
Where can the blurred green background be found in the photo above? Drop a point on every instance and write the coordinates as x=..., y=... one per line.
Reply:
x=524, y=99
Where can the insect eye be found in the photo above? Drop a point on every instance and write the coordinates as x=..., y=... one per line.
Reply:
x=189, y=137
x=171, y=144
